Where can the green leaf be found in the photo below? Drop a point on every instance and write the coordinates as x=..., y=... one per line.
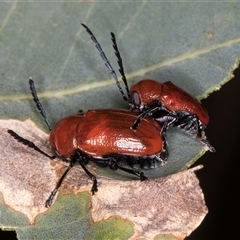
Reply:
x=194, y=45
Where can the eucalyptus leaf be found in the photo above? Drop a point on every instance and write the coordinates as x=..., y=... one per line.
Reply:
x=194, y=45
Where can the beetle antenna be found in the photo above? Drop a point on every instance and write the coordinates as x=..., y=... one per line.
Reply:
x=120, y=63
x=28, y=143
x=38, y=103
x=107, y=63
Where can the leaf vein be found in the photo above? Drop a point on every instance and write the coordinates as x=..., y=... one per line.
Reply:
x=141, y=72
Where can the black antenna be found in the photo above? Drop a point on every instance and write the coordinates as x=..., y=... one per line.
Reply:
x=38, y=103
x=107, y=63
x=28, y=143
x=120, y=64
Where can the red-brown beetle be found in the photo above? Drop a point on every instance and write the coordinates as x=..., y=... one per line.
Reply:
x=168, y=104
x=103, y=136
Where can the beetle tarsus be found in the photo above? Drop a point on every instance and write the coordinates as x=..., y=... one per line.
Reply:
x=94, y=186
x=210, y=147
x=142, y=176
x=48, y=203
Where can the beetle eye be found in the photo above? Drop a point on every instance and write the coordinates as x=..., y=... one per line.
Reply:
x=136, y=99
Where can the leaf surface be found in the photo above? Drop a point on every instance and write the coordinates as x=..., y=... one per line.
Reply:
x=194, y=45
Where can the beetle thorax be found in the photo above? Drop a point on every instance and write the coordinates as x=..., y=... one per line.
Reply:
x=146, y=92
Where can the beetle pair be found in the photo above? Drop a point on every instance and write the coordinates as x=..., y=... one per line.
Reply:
x=103, y=136
x=168, y=104
x=123, y=139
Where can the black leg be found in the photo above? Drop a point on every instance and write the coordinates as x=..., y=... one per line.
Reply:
x=156, y=111
x=165, y=153
x=53, y=193
x=82, y=160
x=92, y=177
x=147, y=112
x=134, y=172
x=210, y=147
x=190, y=124
x=113, y=165
x=139, y=118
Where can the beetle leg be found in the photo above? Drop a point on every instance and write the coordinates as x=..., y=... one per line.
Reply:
x=157, y=111
x=148, y=112
x=165, y=116
x=164, y=153
x=134, y=172
x=113, y=165
x=93, y=178
x=210, y=147
x=53, y=193
x=83, y=159
x=190, y=124
x=203, y=138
